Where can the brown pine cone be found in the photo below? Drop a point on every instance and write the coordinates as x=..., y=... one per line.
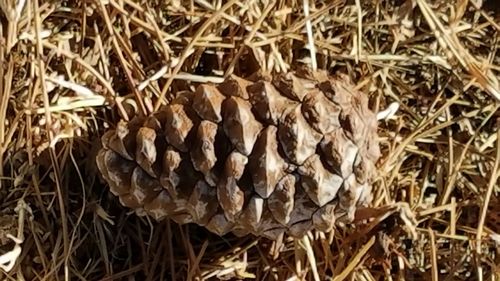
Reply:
x=288, y=154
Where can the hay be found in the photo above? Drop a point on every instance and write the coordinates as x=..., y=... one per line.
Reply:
x=71, y=69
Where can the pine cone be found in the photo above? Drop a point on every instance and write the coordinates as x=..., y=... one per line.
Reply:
x=290, y=154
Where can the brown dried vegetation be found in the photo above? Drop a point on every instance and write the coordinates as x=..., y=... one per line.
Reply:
x=71, y=70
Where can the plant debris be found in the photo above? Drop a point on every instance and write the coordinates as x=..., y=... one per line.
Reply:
x=71, y=70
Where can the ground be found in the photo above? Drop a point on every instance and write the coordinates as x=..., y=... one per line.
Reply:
x=72, y=69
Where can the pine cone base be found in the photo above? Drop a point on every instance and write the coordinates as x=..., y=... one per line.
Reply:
x=285, y=154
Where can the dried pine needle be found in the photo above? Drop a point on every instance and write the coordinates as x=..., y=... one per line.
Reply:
x=72, y=69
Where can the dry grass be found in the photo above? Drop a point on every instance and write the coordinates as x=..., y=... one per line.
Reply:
x=71, y=69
